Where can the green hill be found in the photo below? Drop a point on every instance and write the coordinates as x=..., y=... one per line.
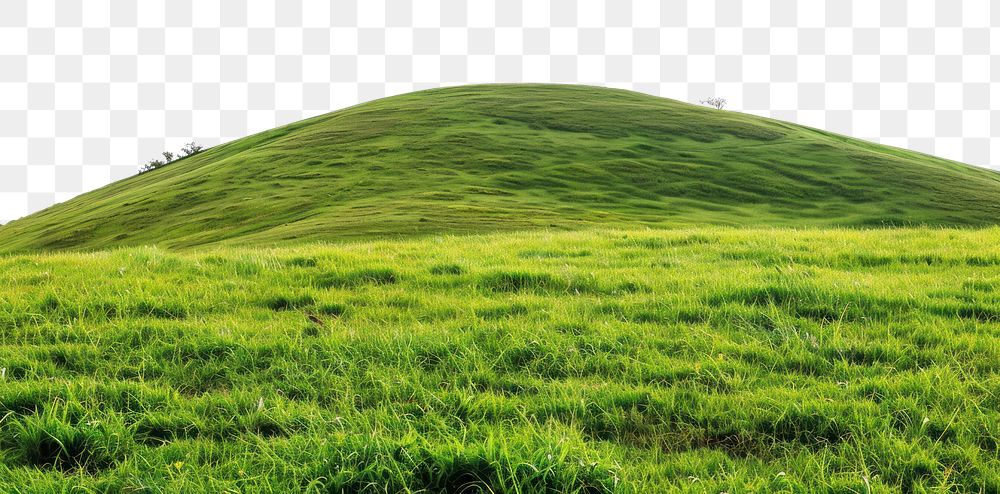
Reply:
x=511, y=157
x=802, y=353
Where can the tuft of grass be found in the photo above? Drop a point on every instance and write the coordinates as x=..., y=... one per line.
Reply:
x=443, y=269
x=332, y=309
x=502, y=311
x=370, y=276
x=551, y=254
x=302, y=262
x=288, y=302
x=644, y=243
x=516, y=281
x=524, y=281
x=50, y=441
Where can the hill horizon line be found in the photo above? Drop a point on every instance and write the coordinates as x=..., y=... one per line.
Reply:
x=508, y=156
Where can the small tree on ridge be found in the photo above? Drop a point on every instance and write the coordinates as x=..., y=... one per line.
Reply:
x=191, y=148
x=151, y=165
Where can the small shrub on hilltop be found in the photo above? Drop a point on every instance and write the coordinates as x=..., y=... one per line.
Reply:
x=189, y=149
x=151, y=165
x=715, y=102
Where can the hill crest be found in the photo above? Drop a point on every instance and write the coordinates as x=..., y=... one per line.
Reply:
x=484, y=158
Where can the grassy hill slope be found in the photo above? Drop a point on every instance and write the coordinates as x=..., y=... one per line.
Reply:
x=510, y=157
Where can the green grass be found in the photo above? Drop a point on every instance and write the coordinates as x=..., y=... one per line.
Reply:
x=700, y=360
x=514, y=157
x=511, y=289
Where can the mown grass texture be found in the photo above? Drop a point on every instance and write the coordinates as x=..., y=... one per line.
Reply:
x=692, y=360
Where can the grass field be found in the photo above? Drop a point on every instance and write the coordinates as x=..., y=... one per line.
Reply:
x=700, y=360
x=516, y=157
x=511, y=289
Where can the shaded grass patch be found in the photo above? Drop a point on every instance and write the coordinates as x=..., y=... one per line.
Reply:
x=446, y=269
x=49, y=441
x=351, y=279
x=525, y=281
x=288, y=302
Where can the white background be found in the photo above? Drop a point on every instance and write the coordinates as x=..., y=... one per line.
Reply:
x=91, y=89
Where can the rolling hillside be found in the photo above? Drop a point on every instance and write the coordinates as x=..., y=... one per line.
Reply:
x=512, y=157
x=763, y=340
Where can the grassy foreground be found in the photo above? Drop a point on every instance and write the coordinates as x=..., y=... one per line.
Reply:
x=702, y=360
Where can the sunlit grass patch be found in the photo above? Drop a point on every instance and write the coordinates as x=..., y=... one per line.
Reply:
x=771, y=360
